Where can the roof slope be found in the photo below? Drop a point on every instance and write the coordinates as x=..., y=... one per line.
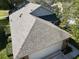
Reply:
x=31, y=34
x=20, y=26
x=43, y=34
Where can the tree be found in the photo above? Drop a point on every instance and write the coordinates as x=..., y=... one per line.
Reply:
x=4, y=4
x=72, y=11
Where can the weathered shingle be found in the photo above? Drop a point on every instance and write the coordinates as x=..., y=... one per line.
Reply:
x=31, y=34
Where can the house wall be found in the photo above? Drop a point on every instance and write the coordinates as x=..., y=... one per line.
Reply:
x=41, y=12
x=47, y=51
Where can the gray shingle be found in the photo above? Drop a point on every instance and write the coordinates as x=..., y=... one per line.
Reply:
x=31, y=34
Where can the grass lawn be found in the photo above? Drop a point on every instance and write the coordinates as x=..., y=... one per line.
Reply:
x=3, y=14
x=3, y=54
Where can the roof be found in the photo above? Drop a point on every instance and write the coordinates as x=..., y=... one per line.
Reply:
x=28, y=8
x=31, y=34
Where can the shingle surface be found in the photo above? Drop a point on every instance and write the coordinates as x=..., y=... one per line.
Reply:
x=21, y=23
x=43, y=34
x=31, y=34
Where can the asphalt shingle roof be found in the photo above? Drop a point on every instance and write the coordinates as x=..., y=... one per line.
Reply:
x=31, y=34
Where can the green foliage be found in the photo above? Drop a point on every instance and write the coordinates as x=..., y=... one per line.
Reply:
x=7, y=29
x=71, y=10
x=77, y=57
x=72, y=29
x=75, y=32
x=63, y=23
x=4, y=22
x=3, y=54
x=9, y=39
x=5, y=41
x=4, y=4
x=9, y=49
x=75, y=7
